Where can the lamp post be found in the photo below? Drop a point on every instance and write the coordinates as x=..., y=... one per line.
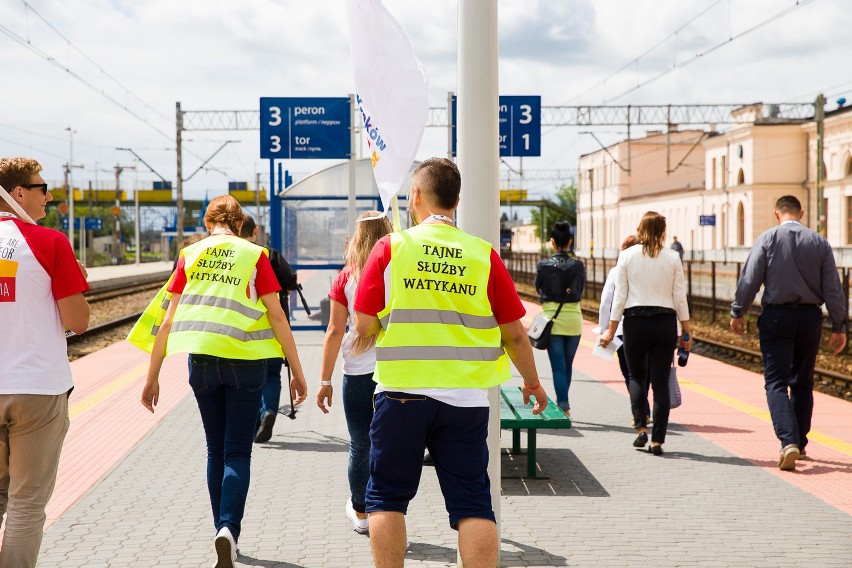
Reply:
x=69, y=187
x=138, y=235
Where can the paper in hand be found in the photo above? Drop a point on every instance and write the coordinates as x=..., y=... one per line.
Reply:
x=609, y=352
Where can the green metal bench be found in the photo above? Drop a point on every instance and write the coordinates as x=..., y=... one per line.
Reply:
x=516, y=416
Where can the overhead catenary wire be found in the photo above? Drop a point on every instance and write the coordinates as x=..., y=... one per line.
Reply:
x=699, y=55
x=27, y=43
x=636, y=59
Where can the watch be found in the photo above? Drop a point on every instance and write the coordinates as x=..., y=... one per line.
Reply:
x=736, y=314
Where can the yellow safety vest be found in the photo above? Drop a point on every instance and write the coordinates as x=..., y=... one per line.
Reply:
x=438, y=329
x=214, y=316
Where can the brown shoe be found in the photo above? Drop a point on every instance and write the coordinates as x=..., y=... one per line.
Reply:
x=787, y=458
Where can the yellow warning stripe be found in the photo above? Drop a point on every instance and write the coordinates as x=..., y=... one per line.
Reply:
x=813, y=435
x=99, y=395
x=759, y=413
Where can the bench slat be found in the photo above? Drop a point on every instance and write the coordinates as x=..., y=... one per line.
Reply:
x=551, y=417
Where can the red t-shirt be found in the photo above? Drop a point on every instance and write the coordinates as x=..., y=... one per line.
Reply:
x=338, y=287
x=370, y=294
x=265, y=281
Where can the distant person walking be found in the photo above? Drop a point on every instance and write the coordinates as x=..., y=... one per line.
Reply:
x=224, y=311
x=604, y=310
x=41, y=295
x=561, y=279
x=796, y=267
x=447, y=314
x=271, y=397
x=359, y=363
x=651, y=296
x=677, y=247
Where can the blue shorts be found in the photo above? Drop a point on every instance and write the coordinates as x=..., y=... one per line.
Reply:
x=403, y=426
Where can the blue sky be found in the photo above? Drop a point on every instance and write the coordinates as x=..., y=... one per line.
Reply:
x=226, y=54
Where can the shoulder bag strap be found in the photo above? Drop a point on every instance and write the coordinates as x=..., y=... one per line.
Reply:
x=562, y=303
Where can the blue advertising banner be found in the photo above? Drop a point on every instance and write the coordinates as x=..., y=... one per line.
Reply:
x=305, y=127
x=707, y=220
x=91, y=224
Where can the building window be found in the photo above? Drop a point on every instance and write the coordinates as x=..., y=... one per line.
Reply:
x=713, y=173
x=847, y=167
x=849, y=220
x=724, y=172
x=740, y=223
x=740, y=177
x=825, y=215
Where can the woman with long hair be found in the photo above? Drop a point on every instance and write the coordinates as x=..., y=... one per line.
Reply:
x=359, y=362
x=561, y=279
x=651, y=296
x=224, y=311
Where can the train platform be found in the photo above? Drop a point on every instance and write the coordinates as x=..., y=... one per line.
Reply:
x=131, y=488
x=101, y=277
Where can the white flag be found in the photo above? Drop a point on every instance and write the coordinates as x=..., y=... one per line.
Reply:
x=391, y=93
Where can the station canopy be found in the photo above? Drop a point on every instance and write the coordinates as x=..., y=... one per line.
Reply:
x=315, y=212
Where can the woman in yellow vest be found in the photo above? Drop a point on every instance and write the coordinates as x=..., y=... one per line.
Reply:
x=224, y=311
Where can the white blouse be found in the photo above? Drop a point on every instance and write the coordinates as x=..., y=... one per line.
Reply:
x=646, y=281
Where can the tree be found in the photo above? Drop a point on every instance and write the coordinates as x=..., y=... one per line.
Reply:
x=566, y=201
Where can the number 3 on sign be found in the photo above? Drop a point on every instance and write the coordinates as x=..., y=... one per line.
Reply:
x=275, y=118
x=276, y=144
x=526, y=114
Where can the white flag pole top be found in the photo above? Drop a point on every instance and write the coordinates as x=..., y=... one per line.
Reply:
x=391, y=92
x=15, y=207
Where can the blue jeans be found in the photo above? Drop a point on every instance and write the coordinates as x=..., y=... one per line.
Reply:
x=561, y=350
x=789, y=340
x=271, y=398
x=358, y=393
x=228, y=395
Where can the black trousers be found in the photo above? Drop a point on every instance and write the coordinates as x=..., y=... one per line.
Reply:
x=649, y=343
x=789, y=340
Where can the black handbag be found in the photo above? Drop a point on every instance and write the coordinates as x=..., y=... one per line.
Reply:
x=541, y=326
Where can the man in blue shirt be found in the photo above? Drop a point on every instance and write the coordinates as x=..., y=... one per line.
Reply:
x=796, y=267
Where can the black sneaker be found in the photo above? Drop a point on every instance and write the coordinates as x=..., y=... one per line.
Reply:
x=264, y=433
x=640, y=440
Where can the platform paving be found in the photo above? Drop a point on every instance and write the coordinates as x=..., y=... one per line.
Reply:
x=605, y=504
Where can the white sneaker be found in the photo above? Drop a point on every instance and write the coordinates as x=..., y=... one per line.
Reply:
x=226, y=549
x=362, y=526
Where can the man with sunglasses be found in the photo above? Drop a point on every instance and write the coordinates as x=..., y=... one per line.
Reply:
x=41, y=295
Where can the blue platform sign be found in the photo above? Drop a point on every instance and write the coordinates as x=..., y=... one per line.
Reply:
x=707, y=220
x=305, y=127
x=520, y=125
x=92, y=223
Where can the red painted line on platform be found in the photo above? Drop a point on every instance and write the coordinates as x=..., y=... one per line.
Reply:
x=107, y=418
x=727, y=406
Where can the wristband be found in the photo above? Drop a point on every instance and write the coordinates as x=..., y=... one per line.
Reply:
x=533, y=387
x=325, y=383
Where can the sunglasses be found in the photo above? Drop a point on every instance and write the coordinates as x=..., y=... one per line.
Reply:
x=41, y=186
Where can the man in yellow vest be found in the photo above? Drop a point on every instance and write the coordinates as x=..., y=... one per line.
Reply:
x=448, y=319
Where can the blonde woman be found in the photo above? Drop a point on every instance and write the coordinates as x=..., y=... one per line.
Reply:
x=359, y=362
x=224, y=311
x=651, y=296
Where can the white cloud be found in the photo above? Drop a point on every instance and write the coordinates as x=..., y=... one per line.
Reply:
x=226, y=54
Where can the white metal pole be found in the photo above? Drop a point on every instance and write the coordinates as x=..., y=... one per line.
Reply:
x=70, y=187
x=138, y=233
x=353, y=141
x=478, y=158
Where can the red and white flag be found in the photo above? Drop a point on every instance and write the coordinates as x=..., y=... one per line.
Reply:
x=391, y=92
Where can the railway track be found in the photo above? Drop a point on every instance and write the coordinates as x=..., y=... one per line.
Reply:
x=733, y=354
